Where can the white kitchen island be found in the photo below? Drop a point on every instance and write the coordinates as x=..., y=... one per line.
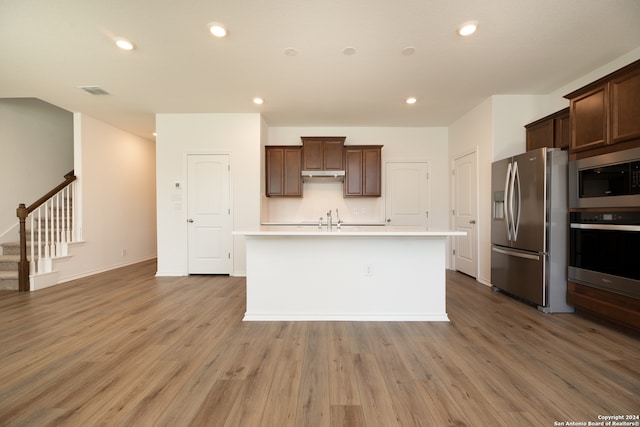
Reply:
x=353, y=273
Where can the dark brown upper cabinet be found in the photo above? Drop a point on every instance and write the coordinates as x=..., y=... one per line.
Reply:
x=323, y=153
x=606, y=112
x=552, y=131
x=283, y=171
x=362, y=170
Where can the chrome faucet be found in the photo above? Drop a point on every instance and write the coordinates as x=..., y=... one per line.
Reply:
x=338, y=216
x=329, y=223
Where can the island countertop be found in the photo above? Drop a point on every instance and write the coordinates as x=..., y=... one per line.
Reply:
x=348, y=230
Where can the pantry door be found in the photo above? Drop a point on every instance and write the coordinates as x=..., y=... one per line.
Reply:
x=209, y=214
x=465, y=213
x=407, y=193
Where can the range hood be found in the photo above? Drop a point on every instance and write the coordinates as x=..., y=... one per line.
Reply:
x=320, y=176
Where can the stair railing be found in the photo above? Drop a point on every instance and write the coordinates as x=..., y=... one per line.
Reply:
x=51, y=230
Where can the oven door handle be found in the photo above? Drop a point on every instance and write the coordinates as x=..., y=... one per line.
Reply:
x=610, y=227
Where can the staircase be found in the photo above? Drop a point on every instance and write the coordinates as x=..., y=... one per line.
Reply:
x=45, y=232
x=10, y=258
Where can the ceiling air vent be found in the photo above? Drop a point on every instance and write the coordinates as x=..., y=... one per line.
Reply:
x=94, y=90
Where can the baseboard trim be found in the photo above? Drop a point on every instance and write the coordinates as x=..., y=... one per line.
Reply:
x=346, y=317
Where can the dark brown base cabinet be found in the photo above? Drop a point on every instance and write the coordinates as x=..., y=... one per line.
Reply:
x=616, y=308
x=362, y=171
x=283, y=171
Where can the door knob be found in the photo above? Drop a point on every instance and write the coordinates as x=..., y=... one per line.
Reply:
x=189, y=220
x=473, y=221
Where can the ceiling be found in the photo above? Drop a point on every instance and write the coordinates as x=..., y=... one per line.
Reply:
x=50, y=48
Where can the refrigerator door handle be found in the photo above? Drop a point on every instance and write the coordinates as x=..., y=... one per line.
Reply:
x=515, y=220
x=516, y=254
x=512, y=221
x=506, y=202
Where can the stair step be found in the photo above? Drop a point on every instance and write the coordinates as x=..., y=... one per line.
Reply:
x=8, y=280
x=13, y=248
x=4, y=275
x=9, y=262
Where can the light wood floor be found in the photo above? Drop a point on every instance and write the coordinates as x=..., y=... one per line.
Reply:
x=125, y=348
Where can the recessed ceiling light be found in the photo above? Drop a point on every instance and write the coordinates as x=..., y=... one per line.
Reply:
x=467, y=28
x=218, y=30
x=290, y=51
x=258, y=101
x=349, y=50
x=411, y=100
x=125, y=44
x=409, y=50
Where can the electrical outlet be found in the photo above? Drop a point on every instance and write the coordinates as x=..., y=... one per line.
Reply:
x=368, y=269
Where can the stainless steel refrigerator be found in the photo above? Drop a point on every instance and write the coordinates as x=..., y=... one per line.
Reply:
x=529, y=228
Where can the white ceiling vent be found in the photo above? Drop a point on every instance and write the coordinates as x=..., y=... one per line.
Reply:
x=94, y=90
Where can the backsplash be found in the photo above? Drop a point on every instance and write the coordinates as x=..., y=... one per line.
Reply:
x=318, y=198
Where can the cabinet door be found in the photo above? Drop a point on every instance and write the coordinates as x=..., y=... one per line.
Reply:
x=292, y=177
x=274, y=158
x=540, y=135
x=362, y=171
x=333, y=155
x=323, y=153
x=589, y=119
x=312, y=154
x=562, y=130
x=552, y=131
x=353, y=172
x=371, y=172
x=625, y=107
x=283, y=171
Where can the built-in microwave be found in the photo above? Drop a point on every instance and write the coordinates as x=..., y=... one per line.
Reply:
x=607, y=181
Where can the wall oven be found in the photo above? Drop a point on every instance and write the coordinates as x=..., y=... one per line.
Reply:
x=607, y=181
x=604, y=251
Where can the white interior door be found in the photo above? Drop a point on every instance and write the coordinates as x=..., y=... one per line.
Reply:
x=407, y=195
x=465, y=211
x=209, y=214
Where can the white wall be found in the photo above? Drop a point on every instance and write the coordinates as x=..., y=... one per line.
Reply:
x=510, y=114
x=36, y=151
x=115, y=199
x=399, y=144
x=240, y=136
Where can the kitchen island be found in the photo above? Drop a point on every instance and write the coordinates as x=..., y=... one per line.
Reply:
x=374, y=273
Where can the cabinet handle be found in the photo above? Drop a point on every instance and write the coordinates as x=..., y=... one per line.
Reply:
x=388, y=219
x=189, y=220
x=473, y=221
